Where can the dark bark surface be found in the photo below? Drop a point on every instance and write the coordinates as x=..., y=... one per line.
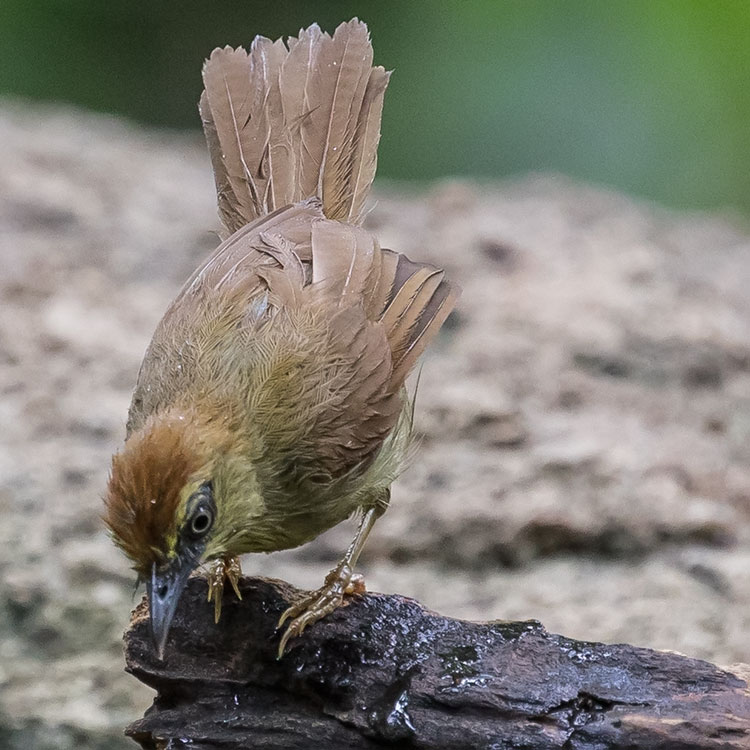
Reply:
x=384, y=671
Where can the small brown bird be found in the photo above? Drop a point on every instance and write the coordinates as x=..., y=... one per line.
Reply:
x=270, y=405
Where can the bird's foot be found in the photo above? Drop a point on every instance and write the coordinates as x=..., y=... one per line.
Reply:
x=340, y=581
x=217, y=572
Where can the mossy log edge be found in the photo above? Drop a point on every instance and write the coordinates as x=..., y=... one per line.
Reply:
x=384, y=670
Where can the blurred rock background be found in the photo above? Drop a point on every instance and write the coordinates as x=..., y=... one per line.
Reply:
x=585, y=417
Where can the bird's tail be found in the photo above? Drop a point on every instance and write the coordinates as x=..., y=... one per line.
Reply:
x=289, y=121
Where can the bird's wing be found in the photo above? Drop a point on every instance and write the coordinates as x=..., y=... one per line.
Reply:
x=351, y=326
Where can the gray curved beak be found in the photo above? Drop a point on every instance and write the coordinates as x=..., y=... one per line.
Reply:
x=164, y=590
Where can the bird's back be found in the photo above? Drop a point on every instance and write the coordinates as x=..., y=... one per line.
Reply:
x=298, y=318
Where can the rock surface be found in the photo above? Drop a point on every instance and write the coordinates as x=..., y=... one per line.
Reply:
x=585, y=458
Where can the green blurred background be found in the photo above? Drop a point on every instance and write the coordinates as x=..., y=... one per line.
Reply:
x=650, y=96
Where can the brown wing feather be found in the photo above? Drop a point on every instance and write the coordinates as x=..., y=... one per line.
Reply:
x=342, y=258
x=382, y=312
x=434, y=304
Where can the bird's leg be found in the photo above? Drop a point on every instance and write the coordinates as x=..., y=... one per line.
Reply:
x=217, y=572
x=341, y=580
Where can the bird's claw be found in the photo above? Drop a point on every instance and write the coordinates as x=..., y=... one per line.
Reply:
x=339, y=582
x=356, y=585
x=217, y=572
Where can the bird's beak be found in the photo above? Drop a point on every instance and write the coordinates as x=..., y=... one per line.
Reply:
x=164, y=590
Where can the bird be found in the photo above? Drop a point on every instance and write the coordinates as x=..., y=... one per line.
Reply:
x=271, y=402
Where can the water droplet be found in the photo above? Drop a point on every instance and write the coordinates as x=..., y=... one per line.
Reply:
x=393, y=720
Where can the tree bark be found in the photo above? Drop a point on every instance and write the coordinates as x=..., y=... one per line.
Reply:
x=383, y=670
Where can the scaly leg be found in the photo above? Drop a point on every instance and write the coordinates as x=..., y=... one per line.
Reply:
x=217, y=572
x=341, y=580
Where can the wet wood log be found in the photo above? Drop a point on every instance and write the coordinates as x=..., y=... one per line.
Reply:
x=384, y=671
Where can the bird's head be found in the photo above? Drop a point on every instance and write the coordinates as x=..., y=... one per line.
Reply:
x=161, y=508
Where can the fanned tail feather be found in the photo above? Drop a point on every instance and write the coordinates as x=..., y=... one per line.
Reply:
x=290, y=121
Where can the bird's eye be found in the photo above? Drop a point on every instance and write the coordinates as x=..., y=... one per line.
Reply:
x=201, y=522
